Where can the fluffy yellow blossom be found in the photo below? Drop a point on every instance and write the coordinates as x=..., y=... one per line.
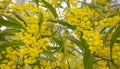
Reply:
x=101, y=2
x=103, y=52
x=32, y=36
x=102, y=64
x=77, y=15
x=4, y=66
x=93, y=39
x=116, y=54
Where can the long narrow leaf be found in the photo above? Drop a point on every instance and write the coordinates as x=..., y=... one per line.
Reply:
x=10, y=24
x=59, y=42
x=64, y=23
x=11, y=19
x=40, y=20
x=8, y=31
x=76, y=41
x=37, y=2
x=4, y=44
x=115, y=35
x=17, y=14
x=49, y=6
x=88, y=57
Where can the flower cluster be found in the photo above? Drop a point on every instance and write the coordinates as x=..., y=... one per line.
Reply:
x=89, y=27
x=36, y=39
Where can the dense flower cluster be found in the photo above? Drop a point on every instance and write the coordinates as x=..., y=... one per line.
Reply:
x=89, y=27
x=27, y=56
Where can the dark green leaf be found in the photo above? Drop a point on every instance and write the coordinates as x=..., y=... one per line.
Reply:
x=11, y=19
x=4, y=44
x=109, y=31
x=40, y=20
x=8, y=31
x=18, y=15
x=59, y=42
x=10, y=24
x=2, y=37
x=115, y=35
x=64, y=23
x=37, y=2
x=49, y=56
x=88, y=57
x=76, y=41
x=11, y=43
x=49, y=6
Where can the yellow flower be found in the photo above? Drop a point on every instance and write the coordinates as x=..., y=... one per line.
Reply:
x=4, y=66
x=36, y=67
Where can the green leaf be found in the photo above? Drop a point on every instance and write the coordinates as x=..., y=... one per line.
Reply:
x=10, y=23
x=37, y=2
x=74, y=49
x=68, y=4
x=11, y=19
x=56, y=49
x=109, y=31
x=64, y=23
x=40, y=20
x=76, y=41
x=20, y=61
x=56, y=41
x=4, y=44
x=49, y=56
x=59, y=42
x=115, y=35
x=13, y=43
x=49, y=6
x=2, y=37
x=20, y=17
x=88, y=57
x=67, y=24
x=16, y=43
x=8, y=31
